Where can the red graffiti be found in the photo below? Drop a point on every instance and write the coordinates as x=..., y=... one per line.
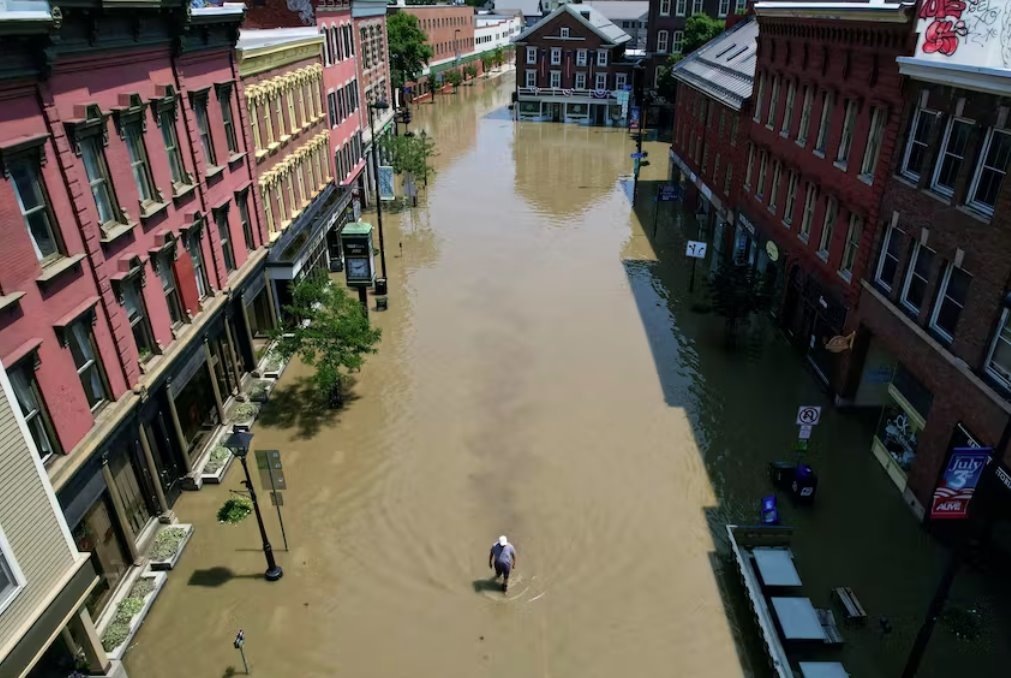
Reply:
x=942, y=9
x=942, y=37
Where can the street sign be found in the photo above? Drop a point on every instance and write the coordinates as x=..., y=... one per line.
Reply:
x=805, y=432
x=638, y=156
x=669, y=192
x=808, y=415
x=277, y=499
x=695, y=249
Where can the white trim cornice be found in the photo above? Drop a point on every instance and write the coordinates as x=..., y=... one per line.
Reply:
x=873, y=11
x=975, y=78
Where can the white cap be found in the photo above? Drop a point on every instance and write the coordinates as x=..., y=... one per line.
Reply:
x=502, y=540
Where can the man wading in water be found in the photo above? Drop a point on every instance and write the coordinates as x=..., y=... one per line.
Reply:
x=503, y=558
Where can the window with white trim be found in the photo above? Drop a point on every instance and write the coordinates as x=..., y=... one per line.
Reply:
x=828, y=227
x=846, y=138
x=873, y=148
x=580, y=57
x=11, y=579
x=758, y=99
x=227, y=121
x=601, y=57
x=665, y=7
x=140, y=168
x=742, y=6
x=791, y=198
x=98, y=179
x=990, y=174
x=915, y=157
x=531, y=55
x=998, y=363
x=951, y=296
x=888, y=260
x=33, y=202
x=556, y=79
x=724, y=8
x=81, y=342
x=167, y=124
x=696, y=7
x=556, y=56
x=853, y=236
x=580, y=80
x=749, y=167
x=680, y=7
x=774, y=191
x=136, y=315
x=763, y=164
x=677, y=44
x=914, y=289
x=824, y=122
x=810, y=200
x=530, y=77
x=770, y=121
x=662, y=41
x=805, y=115
x=601, y=81
x=33, y=407
x=564, y=32
x=199, y=103
x=953, y=148
x=791, y=93
x=620, y=79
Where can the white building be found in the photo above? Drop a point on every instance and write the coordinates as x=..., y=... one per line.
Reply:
x=495, y=30
x=628, y=15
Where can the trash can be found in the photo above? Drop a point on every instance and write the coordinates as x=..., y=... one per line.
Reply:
x=380, y=290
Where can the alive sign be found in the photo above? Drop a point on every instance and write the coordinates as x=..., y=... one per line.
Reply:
x=953, y=494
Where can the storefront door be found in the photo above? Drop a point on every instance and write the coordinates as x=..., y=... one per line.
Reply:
x=166, y=457
x=223, y=363
x=197, y=409
x=98, y=534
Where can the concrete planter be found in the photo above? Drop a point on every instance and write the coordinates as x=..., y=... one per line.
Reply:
x=170, y=563
x=215, y=477
x=270, y=366
x=119, y=650
x=259, y=390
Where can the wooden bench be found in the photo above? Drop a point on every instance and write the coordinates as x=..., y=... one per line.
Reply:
x=852, y=609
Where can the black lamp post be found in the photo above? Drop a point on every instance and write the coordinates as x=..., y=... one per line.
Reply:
x=379, y=106
x=238, y=443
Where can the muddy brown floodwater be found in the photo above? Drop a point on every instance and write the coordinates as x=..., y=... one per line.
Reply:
x=539, y=376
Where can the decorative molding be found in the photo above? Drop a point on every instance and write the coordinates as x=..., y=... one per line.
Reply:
x=33, y=147
x=91, y=122
x=131, y=110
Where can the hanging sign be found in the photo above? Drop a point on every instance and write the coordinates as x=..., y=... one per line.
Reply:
x=695, y=249
x=386, y=191
x=953, y=494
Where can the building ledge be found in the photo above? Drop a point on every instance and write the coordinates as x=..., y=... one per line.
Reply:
x=10, y=300
x=151, y=209
x=214, y=170
x=182, y=190
x=924, y=336
x=116, y=231
x=58, y=267
x=978, y=78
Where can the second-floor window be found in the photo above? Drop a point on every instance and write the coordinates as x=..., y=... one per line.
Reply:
x=136, y=314
x=556, y=56
x=619, y=81
x=225, y=235
x=956, y=140
x=531, y=55
x=823, y=124
x=247, y=227
x=662, y=40
x=914, y=290
x=98, y=180
x=530, y=78
x=678, y=43
x=774, y=191
x=724, y=8
x=763, y=164
x=556, y=79
x=990, y=174
x=853, y=235
x=697, y=7
x=810, y=200
x=34, y=205
x=601, y=81
x=951, y=296
x=581, y=57
x=169, y=288
x=915, y=157
x=81, y=341
x=888, y=263
x=828, y=227
x=601, y=57
x=33, y=407
x=750, y=165
x=580, y=80
x=873, y=148
x=791, y=198
x=680, y=7
x=846, y=138
x=193, y=246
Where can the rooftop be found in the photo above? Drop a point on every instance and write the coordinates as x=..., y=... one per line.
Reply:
x=272, y=37
x=593, y=18
x=724, y=67
x=622, y=10
x=25, y=10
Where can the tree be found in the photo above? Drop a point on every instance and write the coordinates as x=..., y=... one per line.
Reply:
x=409, y=53
x=470, y=70
x=700, y=29
x=454, y=78
x=328, y=330
x=737, y=291
x=498, y=56
x=486, y=61
x=410, y=154
x=666, y=84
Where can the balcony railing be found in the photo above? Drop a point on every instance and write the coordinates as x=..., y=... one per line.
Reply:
x=568, y=92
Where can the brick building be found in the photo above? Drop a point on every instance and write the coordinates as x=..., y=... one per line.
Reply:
x=571, y=67
x=449, y=31
x=282, y=78
x=822, y=123
x=131, y=252
x=934, y=308
x=373, y=63
x=707, y=151
x=665, y=26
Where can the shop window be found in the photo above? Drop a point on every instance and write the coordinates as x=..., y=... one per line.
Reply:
x=899, y=433
x=888, y=263
x=99, y=535
x=81, y=341
x=954, y=146
x=998, y=363
x=990, y=174
x=33, y=407
x=197, y=409
x=950, y=301
x=128, y=488
x=914, y=290
x=915, y=157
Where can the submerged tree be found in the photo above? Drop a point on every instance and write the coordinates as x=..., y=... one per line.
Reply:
x=410, y=155
x=328, y=330
x=737, y=291
x=409, y=51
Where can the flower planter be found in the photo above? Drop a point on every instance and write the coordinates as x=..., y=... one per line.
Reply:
x=271, y=366
x=208, y=473
x=259, y=390
x=130, y=626
x=170, y=562
x=242, y=415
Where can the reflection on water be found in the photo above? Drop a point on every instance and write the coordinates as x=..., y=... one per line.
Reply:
x=541, y=375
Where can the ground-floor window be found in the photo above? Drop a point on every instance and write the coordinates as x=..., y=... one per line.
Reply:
x=261, y=320
x=99, y=535
x=126, y=467
x=903, y=418
x=530, y=107
x=197, y=409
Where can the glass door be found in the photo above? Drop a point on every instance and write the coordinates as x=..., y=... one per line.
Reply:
x=170, y=469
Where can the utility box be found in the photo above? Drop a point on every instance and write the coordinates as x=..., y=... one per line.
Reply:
x=359, y=260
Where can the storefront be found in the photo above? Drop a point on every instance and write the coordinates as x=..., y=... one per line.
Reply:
x=903, y=418
x=811, y=316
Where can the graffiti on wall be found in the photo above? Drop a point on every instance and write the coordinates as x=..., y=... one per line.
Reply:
x=959, y=27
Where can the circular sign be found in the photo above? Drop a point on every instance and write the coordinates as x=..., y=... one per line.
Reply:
x=772, y=251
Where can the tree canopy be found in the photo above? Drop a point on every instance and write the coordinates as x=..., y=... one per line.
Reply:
x=409, y=52
x=700, y=29
x=410, y=154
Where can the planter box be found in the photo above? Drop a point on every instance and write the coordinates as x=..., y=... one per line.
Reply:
x=159, y=582
x=216, y=477
x=158, y=565
x=266, y=384
x=192, y=481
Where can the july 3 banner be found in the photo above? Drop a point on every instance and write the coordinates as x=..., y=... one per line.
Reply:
x=633, y=117
x=953, y=494
x=386, y=191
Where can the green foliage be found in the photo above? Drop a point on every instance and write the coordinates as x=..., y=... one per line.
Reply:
x=259, y=390
x=128, y=608
x=700, y=29
x=470, y=71
x=142, y=587
x=409, y=53
x=964, y=623
x=219, y=455
x=274, y=363
x=327, y=329
x=242, y=412
x=486, y=61
x=410, y=155
x=737, y=292
x=666, y=84
x=454, y=78
x=167, y=543
x=235, y=510
x=498, y=56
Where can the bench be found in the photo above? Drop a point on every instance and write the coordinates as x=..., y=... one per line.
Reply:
x=852, y=609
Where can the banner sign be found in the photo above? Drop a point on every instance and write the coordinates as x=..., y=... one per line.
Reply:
x=386, y=183
x=952, y=495
x=633, y=117
x=669, y=192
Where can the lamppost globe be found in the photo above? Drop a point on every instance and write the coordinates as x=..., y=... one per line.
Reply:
x=239, y=443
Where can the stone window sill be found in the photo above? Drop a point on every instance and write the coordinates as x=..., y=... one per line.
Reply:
x=976, y=214
x=151, y=208
x=819, y=154
x=236, y=157
x=10, y=300
x=273, y=146
x=840, y=165
x=285, y=138
x=261, y=154
x=804, y=237
x=846, y=275
x=866, y=178
x=53, y=270
x=115, y=231
x=214, y=170
x=276, y=234
x=822, y=254
x=772, y=208
x=180, y=191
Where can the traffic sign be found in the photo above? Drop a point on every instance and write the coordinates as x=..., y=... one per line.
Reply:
x=805, y=432
x=695, y=249
x=638, y=156
x=808, y=415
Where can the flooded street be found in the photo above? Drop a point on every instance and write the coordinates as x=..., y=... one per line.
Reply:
x=541, y=375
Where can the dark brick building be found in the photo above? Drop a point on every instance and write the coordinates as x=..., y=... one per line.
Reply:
x=822, y=123
x=571, y=67
x=666, y=25
x=934, y=302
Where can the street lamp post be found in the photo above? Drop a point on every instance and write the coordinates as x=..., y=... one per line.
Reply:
x=238, y=443
x=379, y=106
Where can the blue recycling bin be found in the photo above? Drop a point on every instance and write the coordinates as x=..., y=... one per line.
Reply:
x=770, y=512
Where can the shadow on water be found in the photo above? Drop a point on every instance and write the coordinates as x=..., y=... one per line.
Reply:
x=483, y=585
x=742, y=403
x=213, y=577
x=300, y=407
